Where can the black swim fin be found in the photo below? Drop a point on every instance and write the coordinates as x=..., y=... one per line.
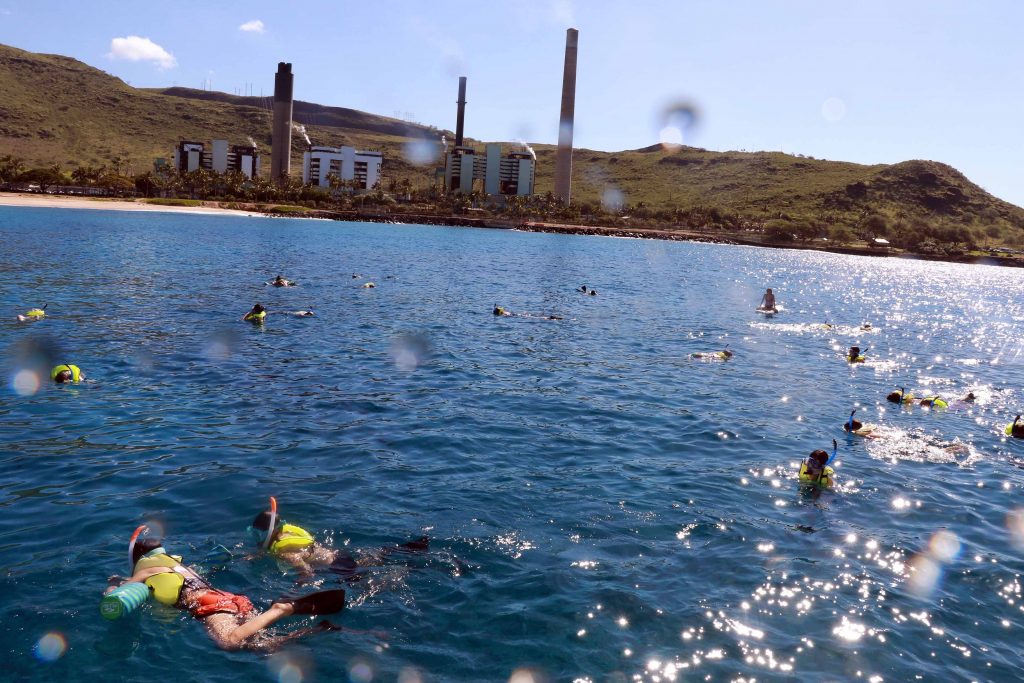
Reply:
x=323, y=602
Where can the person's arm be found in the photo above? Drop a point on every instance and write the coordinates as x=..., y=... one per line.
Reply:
x=138, y=577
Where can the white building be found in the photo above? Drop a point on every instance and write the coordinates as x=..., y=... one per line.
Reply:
x=345, y=163
x=192, y=156
x=511, y=174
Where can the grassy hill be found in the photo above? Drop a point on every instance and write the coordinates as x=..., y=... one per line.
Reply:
x=58, y=110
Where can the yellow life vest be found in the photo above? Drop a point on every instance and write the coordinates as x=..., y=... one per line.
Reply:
x=291, y=538
x=35, y=313
x=826, y=481
x=76, y=373
x=166, y=587
x=256, y=317
x=1009, y=429
x=934, y=402
x=855, y=359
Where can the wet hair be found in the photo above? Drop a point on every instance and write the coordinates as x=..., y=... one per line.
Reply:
x=143, y=546
x=593, y=292
x=857, y=424
x=819, y=456
x=854, y=350
x=259, y=308
x=64, y=376
x=498, y=310
x=969, y=397
x=726, y=353
x=1017, y=430
x=894, y=397
x=262, y=521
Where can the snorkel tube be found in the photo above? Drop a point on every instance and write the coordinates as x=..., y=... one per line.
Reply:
x=849, y=422
x=835, y=449
x=272, y=524
x=131, y=547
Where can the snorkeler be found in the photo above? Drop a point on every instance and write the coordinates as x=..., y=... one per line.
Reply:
x=900, y=396
x=33, y=314
x=299, y=548
x=67, y=374
x=281, y=282
x=724, y=354
x=368, y=285
x=308, y=313
x=1015, y=428
x=933, y=402
x=583, y=288
x=854, y=355
x=256, y=315
x=857, y=427
x=768, y=302
x=231, y=620
x=815, y=469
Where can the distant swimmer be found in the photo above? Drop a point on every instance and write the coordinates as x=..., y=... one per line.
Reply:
x=356, y=276
x=302, y=314
x=592, y=292
x=934, y=402
x=67, y=374
x=1015, y=428
x=498, y=310
x=866, y=326
x=504, y=312
x=854, y=355
x=256, y=315
x=281, y=282
x=768, y=302
x=857, y=427
x=368, y=285
x=583, y=288
x=300, y=549
x=900, y=396
x=815, y=469
x=724, y=354
x=33, y=314
x=230, y=619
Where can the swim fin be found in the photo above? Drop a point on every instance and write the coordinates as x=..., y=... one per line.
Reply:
x=322, y=602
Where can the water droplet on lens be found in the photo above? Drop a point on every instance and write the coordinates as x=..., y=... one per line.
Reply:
x=421, y=151
x=50, y=647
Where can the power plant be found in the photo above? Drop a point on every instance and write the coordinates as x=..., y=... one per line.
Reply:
x=563, y=160
x=281, y=132
x=511, y=174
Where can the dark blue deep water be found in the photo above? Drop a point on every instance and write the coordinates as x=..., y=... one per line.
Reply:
x=601, y=506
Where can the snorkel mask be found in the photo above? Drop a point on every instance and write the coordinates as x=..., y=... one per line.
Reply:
x=131, y=547
x=262, y=537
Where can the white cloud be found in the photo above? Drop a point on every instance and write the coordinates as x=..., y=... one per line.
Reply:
x=136, y=49
x=254, y=26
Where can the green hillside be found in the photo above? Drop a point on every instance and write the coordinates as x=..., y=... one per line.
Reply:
x=59, y=110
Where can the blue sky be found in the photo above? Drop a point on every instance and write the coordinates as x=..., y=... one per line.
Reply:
x=864, y=81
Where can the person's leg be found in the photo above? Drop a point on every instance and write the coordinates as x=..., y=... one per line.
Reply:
x=237, y=636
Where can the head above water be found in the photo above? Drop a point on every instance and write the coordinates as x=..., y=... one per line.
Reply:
x=258, y=308
x=143, y=546
x=1017, y=428
x=852, y=425
x=854, y=351
x=817, y=459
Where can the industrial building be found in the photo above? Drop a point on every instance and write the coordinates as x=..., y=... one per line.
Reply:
x=511, y=174
x=192, y=156
x=344, y=163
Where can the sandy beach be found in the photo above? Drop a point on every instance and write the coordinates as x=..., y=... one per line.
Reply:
x=49, y=201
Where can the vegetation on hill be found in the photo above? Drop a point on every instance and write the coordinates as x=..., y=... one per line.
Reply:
x=62, y=121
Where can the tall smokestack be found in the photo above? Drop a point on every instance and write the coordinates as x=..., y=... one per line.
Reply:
x=563, y=162
x=460, y=119
x=281, y=133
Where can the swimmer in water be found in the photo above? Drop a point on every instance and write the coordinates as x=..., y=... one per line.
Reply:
x=303, y=314
x=933, y=402
x=300, y=549
x=866, y=326
x=33, y=314
x=900, y=396
x=583, y=288
x=281, y=282
x=256, y=315
x=857, y=427
x=368, y=285
x=498, y=310
x=1015, y=428
x=768, y=301
x=592, y=292
x=724, y=354
x=854, y=355
x=815, y=469
x=230, y=620
x=67, y=374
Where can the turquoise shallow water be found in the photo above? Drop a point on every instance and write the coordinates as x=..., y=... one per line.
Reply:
x=602, y=507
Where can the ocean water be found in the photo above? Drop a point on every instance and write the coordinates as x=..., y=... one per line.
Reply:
x=601, y=506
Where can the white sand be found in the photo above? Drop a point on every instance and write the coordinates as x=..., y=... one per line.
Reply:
x=50, y=201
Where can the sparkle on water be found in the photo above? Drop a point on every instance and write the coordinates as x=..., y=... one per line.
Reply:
x=600, y=507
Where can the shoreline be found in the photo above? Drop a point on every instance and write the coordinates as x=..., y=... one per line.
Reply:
x=211, y=208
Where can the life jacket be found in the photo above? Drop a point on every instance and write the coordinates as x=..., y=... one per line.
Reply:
x=166, y=586
x=291, y=538
x=826, y=481
x=76, y=373
x=256, y=317
x=855, y=359
x=934, y=402
x=35, y=313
